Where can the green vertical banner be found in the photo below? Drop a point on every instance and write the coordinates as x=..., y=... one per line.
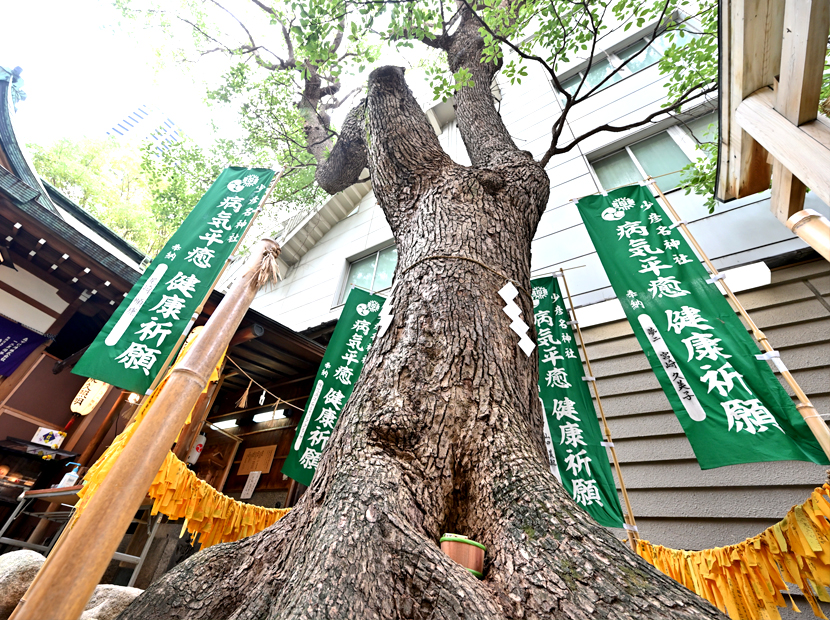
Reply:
x=135, y=343
x=335, y=381
x=571, y=421
x=729, y=403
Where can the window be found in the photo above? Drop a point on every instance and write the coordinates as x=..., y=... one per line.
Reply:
x=703, y=128
x=373, y=273
x=655, y=156
x=601, y=68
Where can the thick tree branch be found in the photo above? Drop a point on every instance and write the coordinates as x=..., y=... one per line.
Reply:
x=479, y=122
x=342, y=167
x=682, y=100
x=338, y=38
x=265, y=8
x=335, y=103
x=327, y=91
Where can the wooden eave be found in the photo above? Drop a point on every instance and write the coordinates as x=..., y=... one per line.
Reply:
x=280, y=355
x=25, y=200
x=45, y=244
x=24, y=239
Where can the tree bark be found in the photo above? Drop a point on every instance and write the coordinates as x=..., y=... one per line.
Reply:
x=443, y=432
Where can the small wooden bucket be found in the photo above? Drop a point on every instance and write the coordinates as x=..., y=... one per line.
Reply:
x=466, y=552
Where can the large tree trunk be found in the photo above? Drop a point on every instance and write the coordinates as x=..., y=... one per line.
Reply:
x=443, y=432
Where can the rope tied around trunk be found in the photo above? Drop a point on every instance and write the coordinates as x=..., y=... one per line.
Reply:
x=471, y=260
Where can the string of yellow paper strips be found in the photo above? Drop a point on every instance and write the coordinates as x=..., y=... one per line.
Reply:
x=101, y=467
x=745, y=580
x=177, y=491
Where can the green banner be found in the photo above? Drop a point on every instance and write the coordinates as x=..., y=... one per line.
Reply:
x=729, y=403
x=135, y=343
x=334, y=383
x=572, y=430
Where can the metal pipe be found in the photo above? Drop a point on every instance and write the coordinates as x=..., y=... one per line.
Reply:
x=633, y=535
x=86, y=551
x=805, y=407
x=814, y=228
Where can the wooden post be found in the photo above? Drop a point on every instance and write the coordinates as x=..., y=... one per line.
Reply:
x=94, y=443
x=197, y=418
x=64, y=585
x=231, y=454
x=798, y=90
x=805, y=407
x=632, y=533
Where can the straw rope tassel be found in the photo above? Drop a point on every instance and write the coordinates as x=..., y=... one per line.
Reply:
x=243, y=400
x=631, y=529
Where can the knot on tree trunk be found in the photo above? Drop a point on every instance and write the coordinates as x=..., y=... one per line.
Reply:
x=491, y=182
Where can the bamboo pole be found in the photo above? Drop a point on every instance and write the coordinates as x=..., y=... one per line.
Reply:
x=64, y=585
x=805, y=407
x=814, y=228
x=632, y=533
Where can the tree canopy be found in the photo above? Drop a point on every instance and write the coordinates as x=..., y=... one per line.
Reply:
x=292, y=65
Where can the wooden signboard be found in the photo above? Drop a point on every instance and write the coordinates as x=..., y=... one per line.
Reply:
x=257, y=459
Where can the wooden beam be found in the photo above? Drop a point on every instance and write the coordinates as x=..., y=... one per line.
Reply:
x=751, y=49
x=806, y=23
x=246, y=334
x=804, y=151
x=16, y=413
x=34, y=303
x=787, y=192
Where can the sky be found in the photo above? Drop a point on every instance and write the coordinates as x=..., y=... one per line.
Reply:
x=82, y=73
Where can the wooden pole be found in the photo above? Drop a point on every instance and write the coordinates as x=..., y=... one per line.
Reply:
x=86, y=457
x=805, y=407
x=64, y=585
x=633, y=535
x=814, y=228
